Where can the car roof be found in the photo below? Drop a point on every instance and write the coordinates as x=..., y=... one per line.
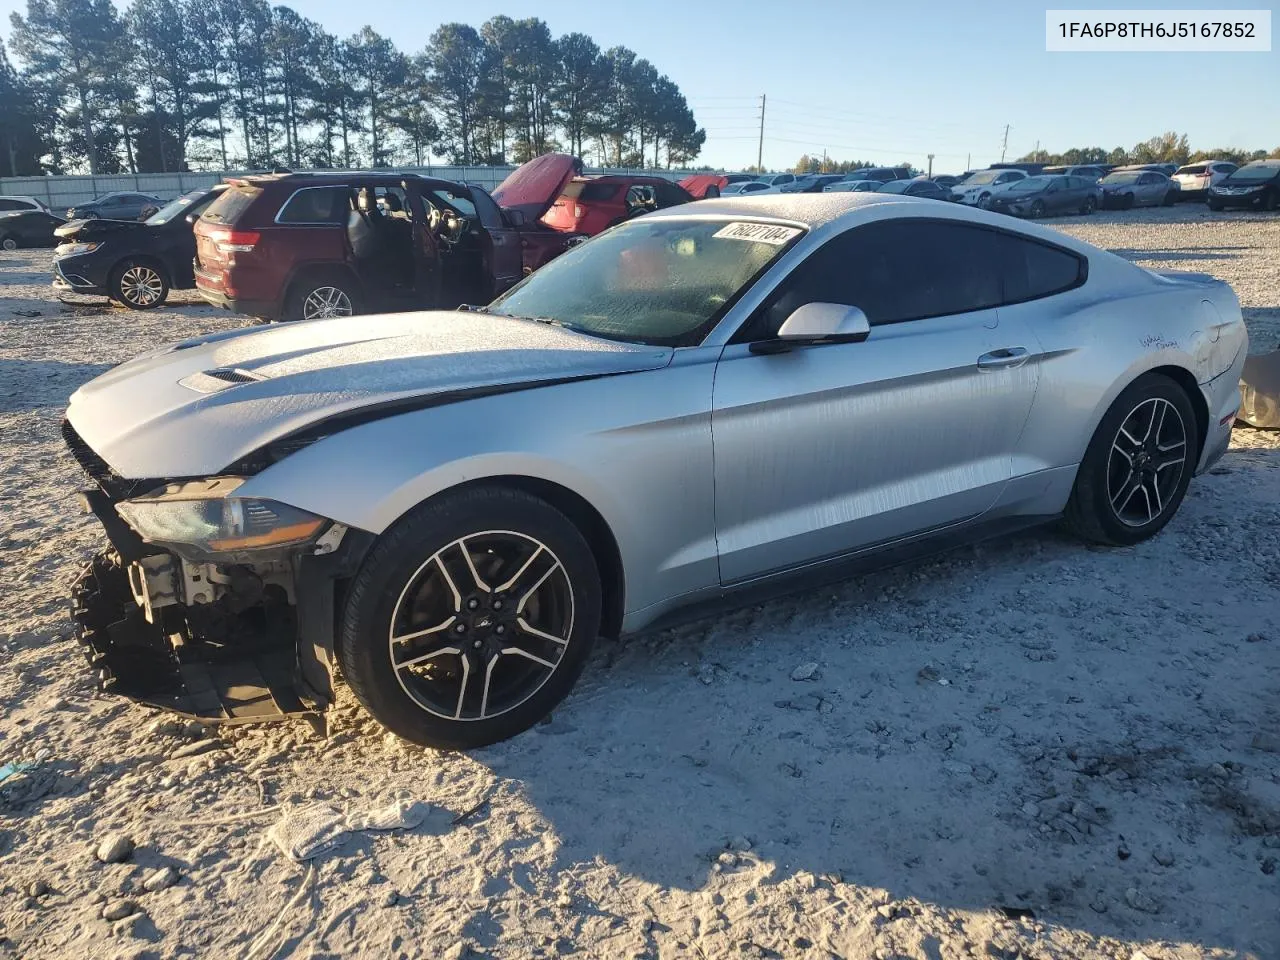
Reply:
x=811, y=209
x=341, y=178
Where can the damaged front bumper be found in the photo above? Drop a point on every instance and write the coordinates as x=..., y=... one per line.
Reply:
x=217, y=641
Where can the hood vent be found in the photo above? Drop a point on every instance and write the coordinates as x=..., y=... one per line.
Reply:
x=211, y=381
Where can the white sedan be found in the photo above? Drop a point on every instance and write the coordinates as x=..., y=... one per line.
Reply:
x=976, y=190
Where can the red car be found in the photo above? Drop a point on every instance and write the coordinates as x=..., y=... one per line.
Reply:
x=591, y=205
x=702, y=186
x=307, y=246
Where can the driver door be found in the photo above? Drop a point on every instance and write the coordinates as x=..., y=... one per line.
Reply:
x=504, y=256
x=828, y=449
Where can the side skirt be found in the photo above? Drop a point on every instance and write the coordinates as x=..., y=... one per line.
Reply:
x=762, y=589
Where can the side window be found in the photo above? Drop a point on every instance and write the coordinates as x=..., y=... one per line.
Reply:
x=316, y=205
x=894, y=271
x=490, y=216
x=11, y=205
x=669, y=195
x=1030, y=270
x=1226, y=168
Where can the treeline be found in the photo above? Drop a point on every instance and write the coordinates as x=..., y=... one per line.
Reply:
x=1169, y=147
x=172, y=85
x=808, y=164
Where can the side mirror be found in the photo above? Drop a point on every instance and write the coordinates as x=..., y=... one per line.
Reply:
x=190, y=218
x=817, y=323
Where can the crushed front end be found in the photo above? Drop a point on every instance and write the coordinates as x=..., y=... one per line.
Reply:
x=208, y=605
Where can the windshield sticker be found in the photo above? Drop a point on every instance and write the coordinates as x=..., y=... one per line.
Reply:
x=758, y=232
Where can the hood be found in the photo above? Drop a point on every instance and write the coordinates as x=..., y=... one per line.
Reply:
x=91, y=229
x=533, y=187
x=697, y=184
x=192, y=409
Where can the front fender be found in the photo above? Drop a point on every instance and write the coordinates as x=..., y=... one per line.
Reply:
x=637, y=447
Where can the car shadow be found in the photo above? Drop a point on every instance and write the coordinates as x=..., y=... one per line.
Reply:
x=1039, y=763
x=38, y=384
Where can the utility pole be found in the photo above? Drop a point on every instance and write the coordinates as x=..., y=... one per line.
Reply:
x=930, y=165
x=824, y=159
x=760, y=146
x=968, y=161
x=1005, y=143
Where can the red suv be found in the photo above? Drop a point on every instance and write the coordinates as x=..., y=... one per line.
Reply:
x=591, y=205
x=307, y=246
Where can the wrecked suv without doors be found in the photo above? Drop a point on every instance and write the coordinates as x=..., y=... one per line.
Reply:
x=313, y=246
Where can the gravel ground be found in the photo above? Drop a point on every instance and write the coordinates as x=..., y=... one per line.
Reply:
x=1030, y=748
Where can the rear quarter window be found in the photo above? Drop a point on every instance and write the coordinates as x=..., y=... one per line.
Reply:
x=316, y=205
x=1032, y=270
x=233, y=202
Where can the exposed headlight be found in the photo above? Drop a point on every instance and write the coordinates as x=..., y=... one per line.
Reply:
x=205, y=514
x=72, y=249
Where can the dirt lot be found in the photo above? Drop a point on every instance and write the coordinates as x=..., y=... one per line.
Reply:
x=1028, y=749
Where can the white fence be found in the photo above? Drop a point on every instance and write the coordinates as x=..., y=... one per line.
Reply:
x=62, y=192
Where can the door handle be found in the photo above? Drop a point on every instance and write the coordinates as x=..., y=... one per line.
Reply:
x=1006, y=357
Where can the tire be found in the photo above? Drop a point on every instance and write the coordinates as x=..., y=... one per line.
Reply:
x=318, y=298
x=984, y=200
x=139, y=284
x=1170, y=198
x=8, y=243
x=1090, y=204
x=418, y=582
x=1272, y=202
x=1126, y=202
x=1112, y=504
x=1214, y=205
x=1037, y=210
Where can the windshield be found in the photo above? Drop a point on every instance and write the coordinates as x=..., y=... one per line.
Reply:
x=1255, y=174
x=175, y=208
x=662, y=282
x=982, y=177
x=1029, y=185
x=1123, y=178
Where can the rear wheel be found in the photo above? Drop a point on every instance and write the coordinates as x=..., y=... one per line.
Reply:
x=1171, y=198
x=471, y=618
x=8, y=243
x=1090, y=204
x=1138, y=464
x=321, y=299
x=139, y=284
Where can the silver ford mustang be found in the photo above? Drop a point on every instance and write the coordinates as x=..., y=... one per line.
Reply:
x=702, y=404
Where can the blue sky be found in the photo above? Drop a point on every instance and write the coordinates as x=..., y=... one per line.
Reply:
x=885, y=82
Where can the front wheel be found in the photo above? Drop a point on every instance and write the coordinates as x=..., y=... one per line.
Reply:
x=1214, y=205
x=1037, y=210
x=139, y=285
x=471, y=618
x=984, y=200
x=8, y=243
x=1138, y=464
x=1126, y=202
